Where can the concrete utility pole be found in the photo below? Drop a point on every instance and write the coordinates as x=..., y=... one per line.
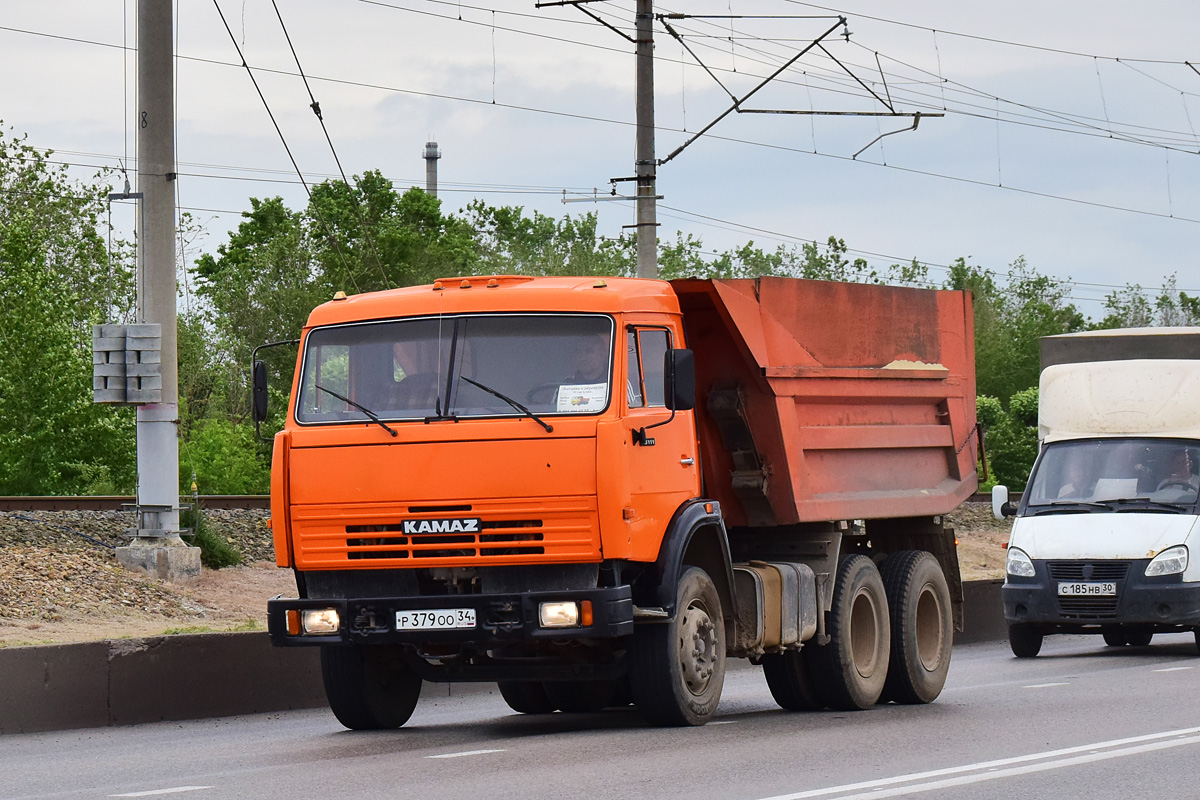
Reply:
x=431, y=156
x=646, y=167
x=157, y=548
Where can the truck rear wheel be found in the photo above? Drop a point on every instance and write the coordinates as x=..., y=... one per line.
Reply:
x=850, y=671
x=369, y=688
x=1025, y=641
x=790, y=681
x=677, y=668
x=525, y=697
x=922, y=629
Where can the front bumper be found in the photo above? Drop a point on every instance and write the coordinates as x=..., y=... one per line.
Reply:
x=1166, y=602
x=500, y=619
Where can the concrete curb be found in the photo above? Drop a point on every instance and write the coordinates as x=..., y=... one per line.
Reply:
x=130, y=681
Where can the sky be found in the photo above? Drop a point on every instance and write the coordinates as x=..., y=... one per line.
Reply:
x=1069, y=135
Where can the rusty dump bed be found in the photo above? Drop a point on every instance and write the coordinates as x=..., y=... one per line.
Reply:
x=819, y=400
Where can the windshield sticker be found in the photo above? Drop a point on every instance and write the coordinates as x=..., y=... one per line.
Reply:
x=582, y=397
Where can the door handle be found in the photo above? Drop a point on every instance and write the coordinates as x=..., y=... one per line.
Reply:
x=687, y=461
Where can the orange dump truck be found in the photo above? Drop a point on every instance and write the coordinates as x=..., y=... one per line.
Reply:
x=595, y=492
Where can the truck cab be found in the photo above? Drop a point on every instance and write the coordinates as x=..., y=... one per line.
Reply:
x=1106, y=533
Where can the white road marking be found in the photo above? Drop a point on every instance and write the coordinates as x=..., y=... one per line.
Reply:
x=991, y=770
x=173, y=790
x=723, y=722
x=1043, y=685
x=1173, y=669
x=465, y=753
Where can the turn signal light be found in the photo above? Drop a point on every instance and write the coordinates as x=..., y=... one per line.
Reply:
x=293, y=622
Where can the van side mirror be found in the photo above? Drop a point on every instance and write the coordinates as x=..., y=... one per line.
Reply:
x=680, y=378
x=1001, y=508
x=258, y=405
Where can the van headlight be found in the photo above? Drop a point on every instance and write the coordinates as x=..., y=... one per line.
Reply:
x=1171, y=561
x=1019, y=564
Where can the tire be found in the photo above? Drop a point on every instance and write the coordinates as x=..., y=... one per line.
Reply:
x=1138, y=637
x=369, y=688
x=790, y=680
x=922, y=627
x=677, y=668
x=581, y=697
x=850, y=671
x=1196, y=634
x=526, y=697
x=1114, y=637
x=1024, y=640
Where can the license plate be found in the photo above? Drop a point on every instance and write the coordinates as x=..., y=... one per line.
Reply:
x=1085, y=588
x=435, y=619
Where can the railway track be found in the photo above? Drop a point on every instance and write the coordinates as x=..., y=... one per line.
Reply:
x=125, y=502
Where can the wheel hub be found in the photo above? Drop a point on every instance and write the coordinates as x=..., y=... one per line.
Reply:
x=697, y=648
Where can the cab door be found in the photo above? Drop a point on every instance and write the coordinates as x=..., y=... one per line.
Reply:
x=663, y=468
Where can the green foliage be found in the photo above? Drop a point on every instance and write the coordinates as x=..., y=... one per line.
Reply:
x=1130, y=307
x=56, y=281
x=1010, y=437
x=215, y=552
x=226, y=459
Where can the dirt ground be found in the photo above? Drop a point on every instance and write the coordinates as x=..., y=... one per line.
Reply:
x=59, y=581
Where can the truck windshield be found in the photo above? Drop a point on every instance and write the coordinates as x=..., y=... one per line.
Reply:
x=1117, y=474
x=456, y=367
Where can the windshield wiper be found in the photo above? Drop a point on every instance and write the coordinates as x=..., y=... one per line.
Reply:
x=1064, y=505
x=1145, y=501
x=511, y=402
x=363, y=409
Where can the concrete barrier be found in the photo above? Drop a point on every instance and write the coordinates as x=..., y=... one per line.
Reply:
x=130, y=681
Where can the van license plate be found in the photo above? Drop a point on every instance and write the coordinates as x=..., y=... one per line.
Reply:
x=1085, y=588
x=435, y=619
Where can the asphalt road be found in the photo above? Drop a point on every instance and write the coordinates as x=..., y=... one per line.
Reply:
x=1079, y=721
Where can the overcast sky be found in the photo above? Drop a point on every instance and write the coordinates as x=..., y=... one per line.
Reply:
x=1069, y=135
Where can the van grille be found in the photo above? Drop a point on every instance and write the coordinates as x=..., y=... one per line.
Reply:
x=1076, y=570
x=1088, y=607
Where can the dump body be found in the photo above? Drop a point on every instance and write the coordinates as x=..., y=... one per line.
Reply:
x=1105, y=532
x=827, y=401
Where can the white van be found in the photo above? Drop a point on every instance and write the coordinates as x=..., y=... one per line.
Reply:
x=1106, y=538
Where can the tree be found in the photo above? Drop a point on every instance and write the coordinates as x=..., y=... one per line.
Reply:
x=1131, y=308
x=57, y=279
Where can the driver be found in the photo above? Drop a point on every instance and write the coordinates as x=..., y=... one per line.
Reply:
x=1182, y=470
x=591, y=360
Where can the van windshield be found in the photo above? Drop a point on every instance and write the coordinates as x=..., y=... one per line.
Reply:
x=455, y=367
x=1117, y=474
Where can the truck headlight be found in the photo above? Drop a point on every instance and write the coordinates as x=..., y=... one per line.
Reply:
x=559, y=615
x=1019, y=564
x=319, y=621
x=1171, y=561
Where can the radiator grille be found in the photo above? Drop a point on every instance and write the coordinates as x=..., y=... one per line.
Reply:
x=1088, y=607
x=1100, y=570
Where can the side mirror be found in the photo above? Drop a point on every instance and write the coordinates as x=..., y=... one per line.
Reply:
x=680, y=378
x=1001, y=508
x=258, y=405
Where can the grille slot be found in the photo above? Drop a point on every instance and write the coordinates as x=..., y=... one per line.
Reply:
x=1088, y=607
x=1101, y=570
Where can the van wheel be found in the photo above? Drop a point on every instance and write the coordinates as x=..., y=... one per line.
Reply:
x=581, y=697
x=1114, y=637
x=790, y=680
x=369, y=688
x=922, y=628
x=525, y=697
x=1196, y=633
x=1024, y=640
x=850, y=671
x=1138, y=637
x=677, y=668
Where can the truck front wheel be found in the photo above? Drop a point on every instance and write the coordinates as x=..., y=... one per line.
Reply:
x=369, y=688
x=526, y=697
x=677, y=668
x=922, y=627
x=851, y=669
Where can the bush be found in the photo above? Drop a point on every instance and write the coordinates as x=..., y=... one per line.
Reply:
x=1011, y=437
x=215, y=552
